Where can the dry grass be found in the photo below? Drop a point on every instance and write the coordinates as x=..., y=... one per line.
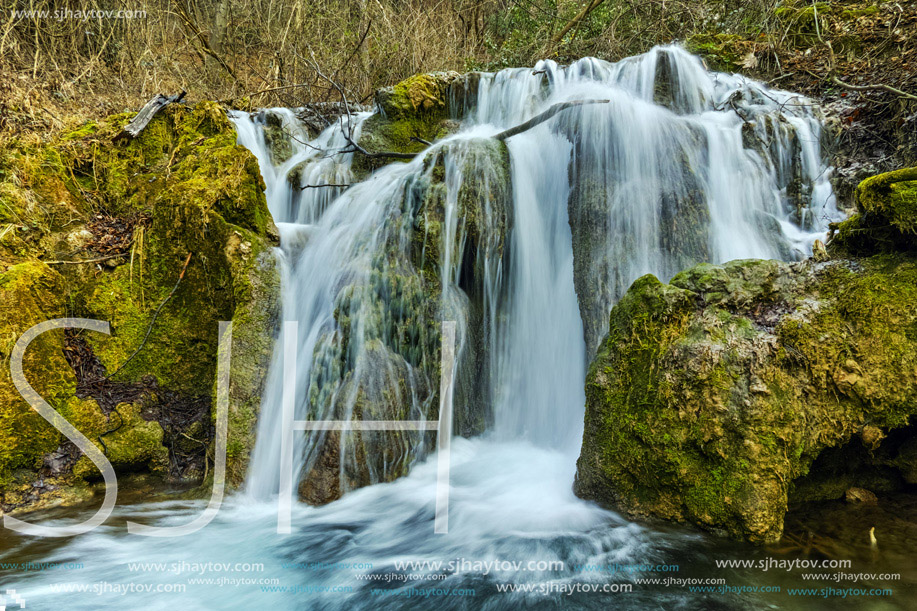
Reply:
x=56, y=64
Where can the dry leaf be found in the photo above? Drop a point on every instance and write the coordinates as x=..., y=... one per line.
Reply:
x=749, y=61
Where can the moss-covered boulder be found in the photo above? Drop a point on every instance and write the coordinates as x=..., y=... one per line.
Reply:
x=382, y=359
x=718, y=399
x=162, y=236
x=886, y=218
x=422, y=108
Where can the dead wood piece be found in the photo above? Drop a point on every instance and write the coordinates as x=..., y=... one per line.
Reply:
x=146, y=114
x=541, y=118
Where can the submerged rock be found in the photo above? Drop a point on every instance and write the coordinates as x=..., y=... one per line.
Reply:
x=182, y=187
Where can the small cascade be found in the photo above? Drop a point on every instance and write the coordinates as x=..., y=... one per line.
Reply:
x=525, y=244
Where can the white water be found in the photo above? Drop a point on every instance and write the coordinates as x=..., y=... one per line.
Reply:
x=511, y=493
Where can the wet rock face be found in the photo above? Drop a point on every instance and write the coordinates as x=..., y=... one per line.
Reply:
x=183, y=186
x=382, y=361
x=720, y=397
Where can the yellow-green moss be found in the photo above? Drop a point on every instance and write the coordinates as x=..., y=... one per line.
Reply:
x=711, y=395
x=417, y=108
x=203, y=195
x=30, y=293
x=421, y=94
x=892, y=195
x=134, y=444
x=886, y=220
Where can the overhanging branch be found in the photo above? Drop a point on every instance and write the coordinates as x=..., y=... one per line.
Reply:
x=541, y=118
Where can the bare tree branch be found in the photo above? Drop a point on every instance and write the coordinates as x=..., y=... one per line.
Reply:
x=304, y=187
x=593, y=4
x=541, y=118
x=880, y=87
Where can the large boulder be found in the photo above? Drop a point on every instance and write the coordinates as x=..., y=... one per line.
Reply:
x=381, y=361
x=134, y=211
x=736, y=390
x=424, y=107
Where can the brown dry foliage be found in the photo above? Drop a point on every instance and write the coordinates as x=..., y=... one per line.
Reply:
x=66, y=57
x=57, y=66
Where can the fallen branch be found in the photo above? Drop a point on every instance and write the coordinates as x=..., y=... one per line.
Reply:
x=155, y=315
x=880, y=87
x=146, y=114
x=541, y=118
x=303, y=187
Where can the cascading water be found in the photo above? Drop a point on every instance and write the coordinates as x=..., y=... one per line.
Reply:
x=526, y=246
x=676, y=166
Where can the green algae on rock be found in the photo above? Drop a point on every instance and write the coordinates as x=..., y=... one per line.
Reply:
x=713, y=397
x=197, y=192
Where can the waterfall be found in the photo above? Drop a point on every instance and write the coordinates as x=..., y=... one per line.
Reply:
x=526, y=245
x=678, y=166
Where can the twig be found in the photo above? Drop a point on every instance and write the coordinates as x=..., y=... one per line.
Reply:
x=355, y=50
x=205, y=44
x=269, y=89
x=120, y=424
x=541, y=118
x=880, y=87
x=155, y=315
x=105, y=258
x=320, y=186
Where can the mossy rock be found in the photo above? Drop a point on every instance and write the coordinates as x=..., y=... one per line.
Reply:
x=886, y=218
x=712, y=397
x=382, y=359
x=421, y=108
x=720, y=51
x=200, y=194
x=421, y=94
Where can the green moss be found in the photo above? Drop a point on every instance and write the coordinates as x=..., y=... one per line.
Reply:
x=892, y=195
x=204, y=196
x=720, y=51
x=421, y=94
x=710, y=395
x=861, y=11
x=415, y=109
x=886, y=220
x=30, y=293
x=133, y=443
